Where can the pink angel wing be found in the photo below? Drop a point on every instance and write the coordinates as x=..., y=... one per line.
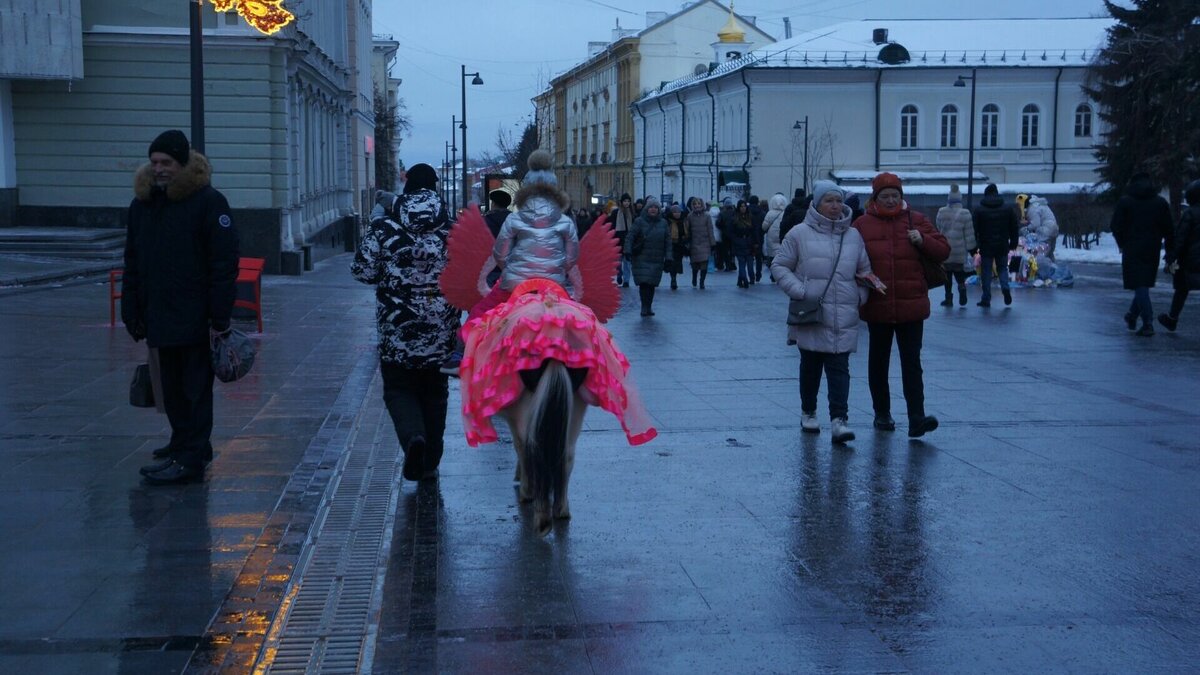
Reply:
x=464, y=281
x=598, y=256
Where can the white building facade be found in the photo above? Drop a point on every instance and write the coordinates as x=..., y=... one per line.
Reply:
x=287, y=119
x=871, y=96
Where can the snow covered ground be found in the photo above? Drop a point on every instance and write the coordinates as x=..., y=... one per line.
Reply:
x=1105, y=252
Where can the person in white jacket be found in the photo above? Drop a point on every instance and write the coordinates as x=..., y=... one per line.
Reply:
x=770, y=226
x=823, y=257
x=1041, y=223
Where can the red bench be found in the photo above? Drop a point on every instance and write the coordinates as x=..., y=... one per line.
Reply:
x=249, y=272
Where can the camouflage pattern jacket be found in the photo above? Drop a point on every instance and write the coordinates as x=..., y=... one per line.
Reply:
x=403, y=255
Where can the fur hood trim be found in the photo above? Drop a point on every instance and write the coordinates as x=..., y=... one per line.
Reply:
x=194, y=176
x=543, y=190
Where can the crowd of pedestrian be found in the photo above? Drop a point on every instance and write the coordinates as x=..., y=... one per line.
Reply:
x=871, y=264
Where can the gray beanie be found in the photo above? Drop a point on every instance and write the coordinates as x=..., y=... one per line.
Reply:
x=541, y=169
x=652, y=201
x=822, y=187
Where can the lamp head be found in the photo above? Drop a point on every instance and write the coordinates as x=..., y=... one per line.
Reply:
x=961, y=81
x=477, y=80
x=798, y=124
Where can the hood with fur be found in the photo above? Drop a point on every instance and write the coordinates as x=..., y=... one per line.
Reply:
x=192, y=177
x=541, y=202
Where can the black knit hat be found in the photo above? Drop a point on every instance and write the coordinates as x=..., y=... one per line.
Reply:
x=420, y=177
x=500, y=198
x=172, y=142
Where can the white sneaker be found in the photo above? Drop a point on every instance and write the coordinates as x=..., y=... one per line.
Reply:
x=841, y=432
x=809, y=424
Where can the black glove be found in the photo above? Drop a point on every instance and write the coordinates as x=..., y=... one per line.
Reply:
x=136, y=330
x=220, y=326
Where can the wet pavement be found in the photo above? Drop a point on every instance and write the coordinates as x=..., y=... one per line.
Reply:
x=1049, y=524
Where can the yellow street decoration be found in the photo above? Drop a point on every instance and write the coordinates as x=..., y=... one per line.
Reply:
x=267, y=16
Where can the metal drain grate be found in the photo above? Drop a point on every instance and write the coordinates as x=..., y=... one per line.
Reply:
x=323, y=624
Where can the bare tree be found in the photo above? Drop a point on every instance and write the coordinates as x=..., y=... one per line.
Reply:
x=392, y=125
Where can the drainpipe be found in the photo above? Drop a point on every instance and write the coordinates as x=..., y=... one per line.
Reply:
x=878, y=88
x=1054, y=150
x=682, y=145
x=746, y=164
x=712, y=141
x=662, y=170
x=638, y=108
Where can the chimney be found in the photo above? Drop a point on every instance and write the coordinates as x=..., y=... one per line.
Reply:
x=787, y=27
x=879, y=36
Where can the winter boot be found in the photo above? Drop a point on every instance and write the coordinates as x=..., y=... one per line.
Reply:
x=919, y=426
x=1007, y=296
x=949, y=301
x=962, y=294
x=1131, y=320
x=841, y=431
x=884, y=422
x=1169, y=322
x=1147, y=330
x=809, y=424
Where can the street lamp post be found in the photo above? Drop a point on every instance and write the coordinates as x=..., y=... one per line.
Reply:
x=477, y=80
x=447, y=169
x=196, y=41
x=961, y=82
x=453, y=163
x=716, y=161
x=796, y=127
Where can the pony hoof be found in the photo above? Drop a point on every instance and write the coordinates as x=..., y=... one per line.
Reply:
x=564, y=514
x=543, y=526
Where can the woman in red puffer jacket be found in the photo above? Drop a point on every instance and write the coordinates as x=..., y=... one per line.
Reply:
x=893, y=234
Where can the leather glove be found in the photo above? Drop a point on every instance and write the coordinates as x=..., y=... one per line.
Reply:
x=136, y=330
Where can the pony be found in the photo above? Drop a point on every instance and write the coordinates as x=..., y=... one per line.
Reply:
x=538, y=360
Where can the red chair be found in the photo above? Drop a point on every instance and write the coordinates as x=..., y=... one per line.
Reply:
x=114, y=293
x=250, y=272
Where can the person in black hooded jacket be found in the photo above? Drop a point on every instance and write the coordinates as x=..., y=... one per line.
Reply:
x=403, y=256
x=181, y=263
x=1183, y=260
x=995, y=235
x=1141, y=224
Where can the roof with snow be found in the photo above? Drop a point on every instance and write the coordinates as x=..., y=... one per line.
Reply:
x=979, y=43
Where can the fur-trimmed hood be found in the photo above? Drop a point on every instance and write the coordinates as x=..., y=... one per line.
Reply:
x=541, y=202
x=193, y=177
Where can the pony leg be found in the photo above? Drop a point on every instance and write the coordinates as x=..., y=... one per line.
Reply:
x=516, y=414
x=562, y=508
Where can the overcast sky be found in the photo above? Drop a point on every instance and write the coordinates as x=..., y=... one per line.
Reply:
x=517, y=46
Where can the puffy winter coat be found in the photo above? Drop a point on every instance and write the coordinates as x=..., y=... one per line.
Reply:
x=955, y=223
x=803, y=266
x=1042, y=222
x=181, y=257
x=1141, y=224
x=771, y=222
x=1187, y=246
x=995, y=226
x=650, y=262
x=897, y=263
x=404, y=256
x=702, y=239
x=539, y=240
x=741, y=233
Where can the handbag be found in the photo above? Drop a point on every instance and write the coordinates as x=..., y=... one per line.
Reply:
x=232, y=354
x=141, y=390
x=808, y=310
x=934, y=273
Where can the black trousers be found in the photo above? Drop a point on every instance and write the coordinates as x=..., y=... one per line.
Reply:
x=416, y=400
x=908, y=338
x=187, y=391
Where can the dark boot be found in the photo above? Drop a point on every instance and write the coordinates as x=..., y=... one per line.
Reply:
x=165, y=451
x=962, y=294
x=414, y=458
x=1169, y=322
x=919, y=426
x=175, y=474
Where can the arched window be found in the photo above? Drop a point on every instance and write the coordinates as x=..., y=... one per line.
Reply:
x=1029, y=126
x=949, y=126
x=1083, y=121
x=989, y=126
x=908, y=126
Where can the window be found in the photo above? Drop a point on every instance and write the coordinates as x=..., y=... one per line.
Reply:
x=1083, y=121
x=908, y=126
x=1029, y=126
x=989, y=126
x=949, y=126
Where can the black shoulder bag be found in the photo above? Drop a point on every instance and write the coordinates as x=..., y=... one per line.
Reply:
x=808, y=310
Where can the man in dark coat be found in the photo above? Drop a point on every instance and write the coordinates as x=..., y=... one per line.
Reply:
x=757, y=215
x=995, y=235
x=499, y=200
x=1141, y=224
x=794, y=213
x=725, y=223
x=1184, y=258
x=181, y=263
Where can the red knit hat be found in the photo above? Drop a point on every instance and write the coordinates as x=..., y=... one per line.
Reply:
x=885, y=180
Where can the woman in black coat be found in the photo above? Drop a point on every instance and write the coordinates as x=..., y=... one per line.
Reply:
x=1141, y=224
x=1183, y=259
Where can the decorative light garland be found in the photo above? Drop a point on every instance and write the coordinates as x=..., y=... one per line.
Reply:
x=266, y=16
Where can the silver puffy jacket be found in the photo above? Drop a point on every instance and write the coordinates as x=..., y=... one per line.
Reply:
x=538, y=240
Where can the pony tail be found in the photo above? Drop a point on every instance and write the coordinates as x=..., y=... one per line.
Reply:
x=549, y=424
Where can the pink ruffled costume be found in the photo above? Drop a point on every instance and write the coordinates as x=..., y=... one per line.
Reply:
x=524, y=331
